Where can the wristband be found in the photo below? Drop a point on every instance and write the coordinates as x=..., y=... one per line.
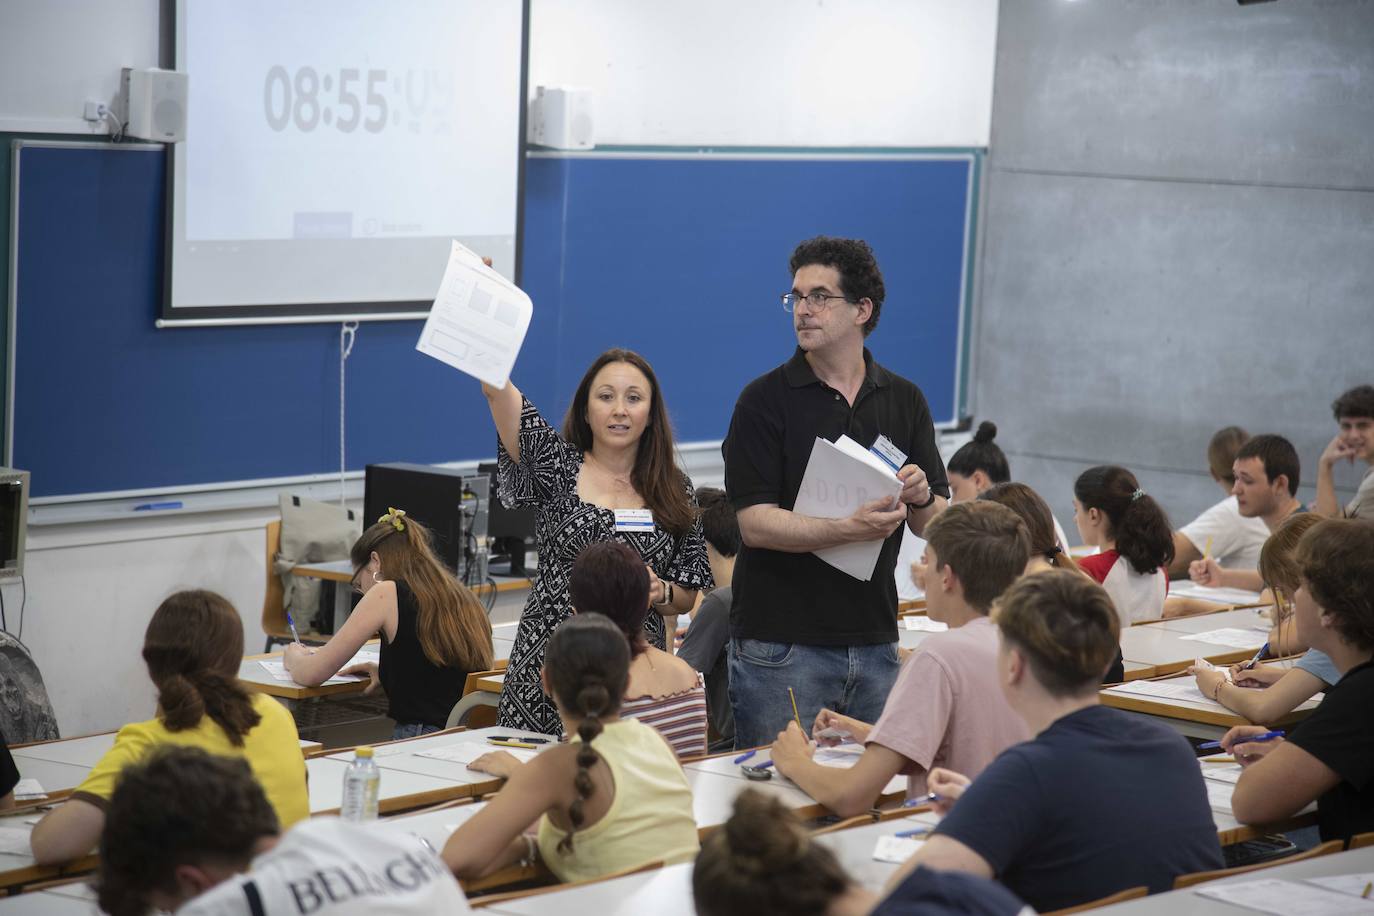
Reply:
x=667, y=594
x=930, y=500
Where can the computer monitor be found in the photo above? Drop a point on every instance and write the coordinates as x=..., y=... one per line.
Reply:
x=431, y=495
x=14, y=514
x=508, y=528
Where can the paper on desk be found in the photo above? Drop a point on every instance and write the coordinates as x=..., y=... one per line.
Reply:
x=14, y=841
x=1222, y=772
x=1234, y=637
x=921, y=622
x=279, y=673
x=1219, y=795
x=1234, y=596
x=478, y=320
x=840, y=477
x=895, y=849
x=28, y=790
x=467, y=751
x=1166, y=690
x=1287, y=898
x=1353, y=885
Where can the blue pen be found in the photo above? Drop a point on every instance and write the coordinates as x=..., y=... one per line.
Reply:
x=916, y=832
x=1264, y=650
x=1267, y=736
x=924, y=800
x=292, y=624
x=743, y=757
x=765, y=765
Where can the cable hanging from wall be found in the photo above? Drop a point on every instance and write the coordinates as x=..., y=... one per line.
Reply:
x=348, y=332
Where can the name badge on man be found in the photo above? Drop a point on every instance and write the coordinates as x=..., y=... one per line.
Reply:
x=634, y=520
x=892, y=456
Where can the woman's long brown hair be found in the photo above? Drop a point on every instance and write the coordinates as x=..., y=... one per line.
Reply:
x=452, y=625
x=656, y=476
x=193, y=647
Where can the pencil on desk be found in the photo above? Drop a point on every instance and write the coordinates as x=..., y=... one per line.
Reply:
x=795, y=714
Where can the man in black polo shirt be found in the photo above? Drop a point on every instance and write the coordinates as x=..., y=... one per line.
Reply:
x=796, y=621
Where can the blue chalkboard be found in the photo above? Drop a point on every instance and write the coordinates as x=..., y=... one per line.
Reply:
x=679, y=258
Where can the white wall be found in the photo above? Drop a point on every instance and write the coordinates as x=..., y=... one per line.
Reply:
x=55, y=55
x=774, y=72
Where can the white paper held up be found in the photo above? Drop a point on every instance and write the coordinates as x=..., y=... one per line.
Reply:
x=478, y=321
x=840, y=477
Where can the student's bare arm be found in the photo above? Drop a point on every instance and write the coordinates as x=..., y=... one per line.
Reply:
x=1275, y=701
x=367, y=619
x=1280, y=785
x=493, y=839
x=846, y=792
x=942, y=853
x=69, y=832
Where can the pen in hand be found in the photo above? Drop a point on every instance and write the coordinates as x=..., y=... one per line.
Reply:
x=292, y=624
x=1250, y=739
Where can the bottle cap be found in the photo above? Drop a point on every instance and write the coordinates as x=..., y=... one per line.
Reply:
x=363, y=751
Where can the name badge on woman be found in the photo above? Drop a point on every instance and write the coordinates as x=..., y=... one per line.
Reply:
x=634, y=520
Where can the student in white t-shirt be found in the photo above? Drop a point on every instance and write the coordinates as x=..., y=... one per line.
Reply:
x=190, y=832
x=1136, y=544
x=1235, y=541
x=946, y=708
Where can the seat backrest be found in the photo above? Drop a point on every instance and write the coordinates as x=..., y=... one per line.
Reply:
x=1361, y=840
x=273, y=606
x=1325, y=849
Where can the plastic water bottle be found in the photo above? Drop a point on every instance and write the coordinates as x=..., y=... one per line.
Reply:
x=361, y=784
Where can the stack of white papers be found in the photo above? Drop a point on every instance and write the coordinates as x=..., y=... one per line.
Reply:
x=277, y=669
x=840, y=477
x=478, y=321
x=895, y=850
x=925, y=624
x=1181, y=689
x=1231, y=636
x=1287, y=898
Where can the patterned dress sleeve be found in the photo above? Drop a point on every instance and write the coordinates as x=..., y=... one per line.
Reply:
x=546, y=464
x=689, y=566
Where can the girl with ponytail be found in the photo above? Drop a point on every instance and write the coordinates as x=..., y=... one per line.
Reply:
x=193, y=647
x=1137, y=543
x=434, y=630
x=611, y=798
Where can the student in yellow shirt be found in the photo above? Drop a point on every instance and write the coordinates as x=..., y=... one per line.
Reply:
x=613, y=797
x=193, y=647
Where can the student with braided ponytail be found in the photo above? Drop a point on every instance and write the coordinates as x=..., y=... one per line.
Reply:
x=611, y=798
x=1137, y=543
x=193, y=647
x=434, y=630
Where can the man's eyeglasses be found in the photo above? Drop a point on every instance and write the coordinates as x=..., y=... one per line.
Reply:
x=817, y=300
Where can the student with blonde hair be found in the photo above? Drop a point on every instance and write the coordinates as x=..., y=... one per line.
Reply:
x=1034, y=818
x=192, y=647
x=611, y=798
x=434, y=630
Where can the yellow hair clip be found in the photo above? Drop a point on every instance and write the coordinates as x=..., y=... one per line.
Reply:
x=394, y=516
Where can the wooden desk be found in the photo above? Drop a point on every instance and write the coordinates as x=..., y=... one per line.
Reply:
x=663, y=892
x=1193, y=718
x=19, y=869
x=76, y=899
x=256, y=677
x=854, y=847
x=1188, y=902
x=1162, y=644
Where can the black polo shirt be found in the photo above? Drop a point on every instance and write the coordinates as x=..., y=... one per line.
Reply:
x=796, y=597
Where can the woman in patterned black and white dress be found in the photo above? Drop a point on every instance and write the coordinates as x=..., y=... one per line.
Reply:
x=615, y=455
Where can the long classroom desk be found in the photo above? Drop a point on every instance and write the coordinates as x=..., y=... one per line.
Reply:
x=1188, y=902
x=1165, y=644
x=1189, y=712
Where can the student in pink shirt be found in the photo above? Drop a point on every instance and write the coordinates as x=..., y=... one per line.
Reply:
x=946, y=708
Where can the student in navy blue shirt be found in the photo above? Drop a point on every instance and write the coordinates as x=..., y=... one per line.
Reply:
x=1098, y=801
x=1329, y=758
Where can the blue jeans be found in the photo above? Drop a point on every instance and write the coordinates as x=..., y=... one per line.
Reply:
x=412, y=730
x=853, y=680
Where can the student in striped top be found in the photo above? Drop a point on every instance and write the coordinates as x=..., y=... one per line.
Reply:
x=664, y=691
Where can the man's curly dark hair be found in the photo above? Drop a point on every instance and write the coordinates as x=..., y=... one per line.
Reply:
x=860, y=277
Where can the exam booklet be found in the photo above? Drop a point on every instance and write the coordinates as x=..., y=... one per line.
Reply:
x=478, y=320
x=840, y=477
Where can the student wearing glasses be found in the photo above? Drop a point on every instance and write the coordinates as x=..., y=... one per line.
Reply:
x=434, y=630
x=796, y=621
